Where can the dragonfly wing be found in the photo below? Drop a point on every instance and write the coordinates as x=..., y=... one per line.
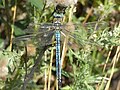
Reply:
x=96, y=25
x=71, y=28
x=38, y=33
x=42, y=33
x=80, y=32
x=40, y=38
x=35, y=28
x=46, y=38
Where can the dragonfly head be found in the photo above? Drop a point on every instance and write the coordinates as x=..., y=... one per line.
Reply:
x=60, y=8
x=59, y=11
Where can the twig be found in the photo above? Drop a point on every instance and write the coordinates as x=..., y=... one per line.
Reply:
x=12, y=30
x=115, y=60
x=50, y=68
x=45, y=84
x=88, y=15
x=30, y=75
x=107, y=58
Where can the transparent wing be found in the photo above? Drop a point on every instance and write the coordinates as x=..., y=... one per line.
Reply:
x=90, y=27
x=42, y=33
x=81, y=33
x=42, y=38
x=69, y=27
x=41, y=28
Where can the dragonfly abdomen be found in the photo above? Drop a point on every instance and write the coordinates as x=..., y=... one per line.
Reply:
x=58, y=59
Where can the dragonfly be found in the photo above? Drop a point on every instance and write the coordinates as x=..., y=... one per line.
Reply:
x=43, y=36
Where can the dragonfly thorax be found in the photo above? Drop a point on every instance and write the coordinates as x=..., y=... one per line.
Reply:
x=57, y=25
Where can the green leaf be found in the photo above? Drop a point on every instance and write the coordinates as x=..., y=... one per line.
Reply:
x=2, y=3
x=1, y=43
x=18, y=31
x=36, y=3
x=66, y=88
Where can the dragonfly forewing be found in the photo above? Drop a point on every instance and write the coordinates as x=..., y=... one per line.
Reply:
x=44, y=27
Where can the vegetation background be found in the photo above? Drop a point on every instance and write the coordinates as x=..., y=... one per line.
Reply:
x=91, y=62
